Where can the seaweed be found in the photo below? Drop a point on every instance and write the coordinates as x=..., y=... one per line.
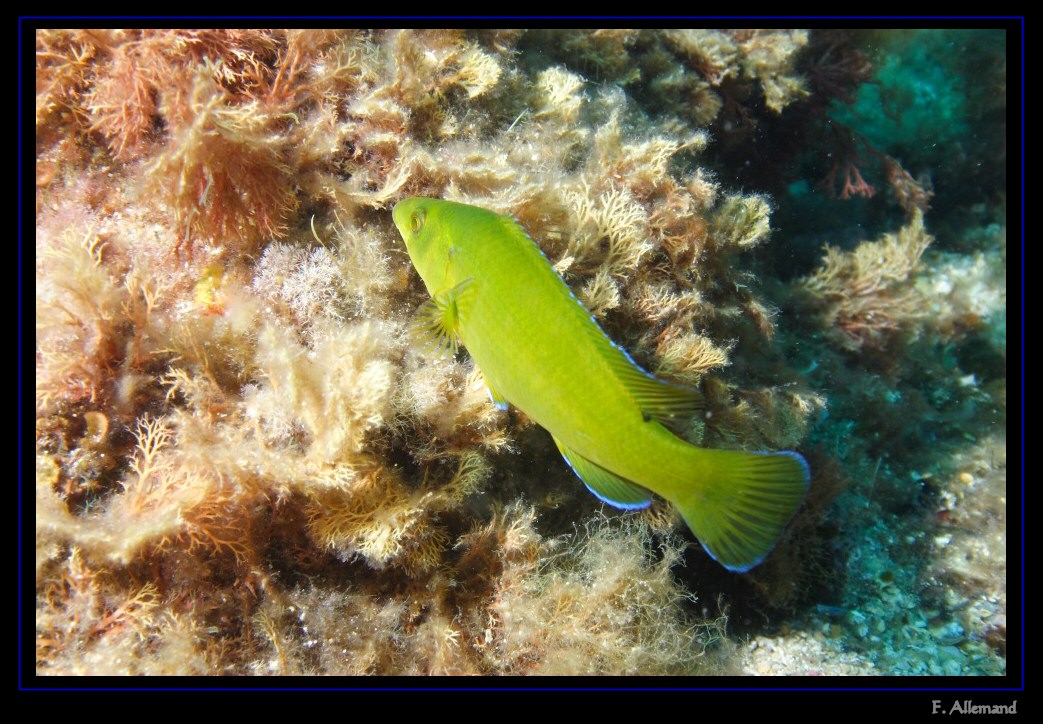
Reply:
x=245, y=465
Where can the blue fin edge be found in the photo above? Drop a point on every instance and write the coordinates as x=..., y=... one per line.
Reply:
x=807, y=482
x=613, y=503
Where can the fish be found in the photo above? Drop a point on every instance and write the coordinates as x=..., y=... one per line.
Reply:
x=494, y=291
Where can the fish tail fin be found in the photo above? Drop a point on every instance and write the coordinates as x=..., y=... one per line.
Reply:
x=741, y=503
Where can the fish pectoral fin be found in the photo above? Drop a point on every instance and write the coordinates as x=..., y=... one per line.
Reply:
x=437, y=320
x=606, y=485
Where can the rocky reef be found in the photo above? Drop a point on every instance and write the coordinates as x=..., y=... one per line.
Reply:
x=245, y=464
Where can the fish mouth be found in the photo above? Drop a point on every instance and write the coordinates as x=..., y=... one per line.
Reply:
x=400, y=215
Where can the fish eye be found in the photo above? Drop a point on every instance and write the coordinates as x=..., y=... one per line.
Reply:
x=416, y=221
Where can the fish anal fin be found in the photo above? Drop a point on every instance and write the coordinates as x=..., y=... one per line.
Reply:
x=606, y=485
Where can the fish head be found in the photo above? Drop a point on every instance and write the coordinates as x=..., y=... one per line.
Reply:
x=418, y=221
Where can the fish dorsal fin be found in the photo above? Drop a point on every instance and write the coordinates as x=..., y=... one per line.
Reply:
x=667, y=403
x=670, y=404
x=606, y=485
x=437, y=319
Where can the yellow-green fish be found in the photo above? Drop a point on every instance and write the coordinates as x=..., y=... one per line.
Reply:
x=541, y=350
